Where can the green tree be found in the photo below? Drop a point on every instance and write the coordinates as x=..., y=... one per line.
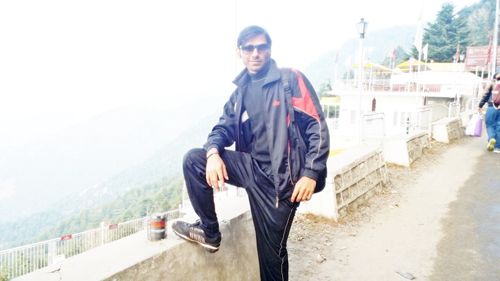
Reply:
x=480, y=19
x=324, y=88
x=395, y=57
x=445, y=34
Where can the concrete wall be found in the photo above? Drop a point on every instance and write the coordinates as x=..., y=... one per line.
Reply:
x=136, y=258
x=358, y=181
x=235, y=260
x=447, y=130
x=354, y=175
x=405, y=149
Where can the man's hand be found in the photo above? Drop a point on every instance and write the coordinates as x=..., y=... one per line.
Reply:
x=216, y=172
x=303, y=189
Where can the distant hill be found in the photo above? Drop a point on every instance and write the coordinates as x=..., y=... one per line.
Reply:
x=88, y=154
x=377, y=45
x=160, y=173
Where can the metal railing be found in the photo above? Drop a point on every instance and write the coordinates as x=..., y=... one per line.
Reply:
x=386, y=85
x=25, y=259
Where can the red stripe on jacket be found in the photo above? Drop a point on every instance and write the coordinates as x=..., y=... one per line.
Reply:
x=305, y=102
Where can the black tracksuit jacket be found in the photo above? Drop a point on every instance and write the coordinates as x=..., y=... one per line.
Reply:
x=299, y=146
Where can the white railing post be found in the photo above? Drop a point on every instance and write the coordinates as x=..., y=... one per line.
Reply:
x=51, y=251
x=103, y=232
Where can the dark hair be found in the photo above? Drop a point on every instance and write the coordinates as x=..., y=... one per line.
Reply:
x=250, y=32
x=496, y=75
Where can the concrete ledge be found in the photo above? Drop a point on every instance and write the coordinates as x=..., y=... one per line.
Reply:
x=186, y=261
x=404, y=150
x=447, y=129
x=136, y=258
x=353, y=177
x=359, y=180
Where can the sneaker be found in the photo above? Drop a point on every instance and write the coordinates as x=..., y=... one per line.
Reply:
x=193, y=232
x=491, y=144
x=497, y=150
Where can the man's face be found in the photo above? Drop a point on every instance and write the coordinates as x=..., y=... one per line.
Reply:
x=255, y=53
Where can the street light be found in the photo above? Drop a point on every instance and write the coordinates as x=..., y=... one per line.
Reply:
x=361, y=26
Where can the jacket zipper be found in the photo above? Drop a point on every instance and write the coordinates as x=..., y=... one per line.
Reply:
x=289, y=163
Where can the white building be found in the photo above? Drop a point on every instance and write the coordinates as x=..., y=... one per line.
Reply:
x=411, y=103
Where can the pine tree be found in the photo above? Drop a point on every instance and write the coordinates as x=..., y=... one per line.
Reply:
x=480, y=19
x=397, y=56
x=445, y=34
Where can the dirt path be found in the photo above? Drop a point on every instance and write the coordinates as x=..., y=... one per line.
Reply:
x=395, y=235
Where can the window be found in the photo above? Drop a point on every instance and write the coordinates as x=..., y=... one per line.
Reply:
x=331, y=111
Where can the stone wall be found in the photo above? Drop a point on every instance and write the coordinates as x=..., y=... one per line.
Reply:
x=358, y=181
x=404, y=150
x=447, y=129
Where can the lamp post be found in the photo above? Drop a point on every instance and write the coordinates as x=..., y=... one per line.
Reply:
x=361, y=30
x=361, y=26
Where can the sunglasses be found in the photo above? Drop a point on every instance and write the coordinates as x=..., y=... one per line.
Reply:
x=249, y=49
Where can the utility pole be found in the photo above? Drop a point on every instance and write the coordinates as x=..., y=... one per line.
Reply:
x=361, y=26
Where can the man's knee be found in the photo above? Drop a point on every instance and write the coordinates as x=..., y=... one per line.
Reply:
x=193, y=156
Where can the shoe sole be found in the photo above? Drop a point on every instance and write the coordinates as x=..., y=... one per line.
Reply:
x=210, y=248
x=491, y=144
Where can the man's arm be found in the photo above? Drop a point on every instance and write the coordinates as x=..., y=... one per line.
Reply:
x=314, y=131
x=221, y=136
x=486, y=96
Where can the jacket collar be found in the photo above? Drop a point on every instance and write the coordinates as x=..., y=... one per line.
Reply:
x=272, y=75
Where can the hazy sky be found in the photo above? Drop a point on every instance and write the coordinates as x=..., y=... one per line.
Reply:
x=63, y=61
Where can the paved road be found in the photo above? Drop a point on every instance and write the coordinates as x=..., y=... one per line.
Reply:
x=470, y=247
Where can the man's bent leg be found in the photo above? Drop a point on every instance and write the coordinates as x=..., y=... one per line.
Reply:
x=200, y=193
x=239, y=169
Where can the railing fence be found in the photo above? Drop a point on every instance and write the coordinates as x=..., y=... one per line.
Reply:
x=25, y=259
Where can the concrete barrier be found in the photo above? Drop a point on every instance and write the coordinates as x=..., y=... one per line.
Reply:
x=353, y=177
x=404, y=150
x=236, y=259
x=357, y=182
x=136, y=258
x=447, y=129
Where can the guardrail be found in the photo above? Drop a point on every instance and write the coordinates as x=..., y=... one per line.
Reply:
x=25, y=259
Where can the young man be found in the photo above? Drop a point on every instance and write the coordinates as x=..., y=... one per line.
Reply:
x=282, y=145
x=492, y=117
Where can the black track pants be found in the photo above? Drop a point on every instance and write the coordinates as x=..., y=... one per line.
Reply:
x=272, y=224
